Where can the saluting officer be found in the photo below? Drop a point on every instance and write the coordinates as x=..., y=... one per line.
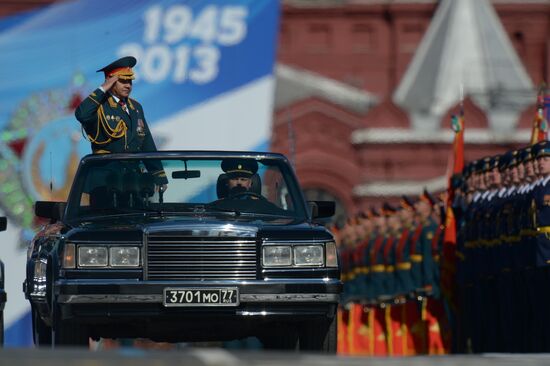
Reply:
x=114, y=122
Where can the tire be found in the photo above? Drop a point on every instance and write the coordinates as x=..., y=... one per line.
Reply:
x=280, y=337
x=41, y=333
x=319, y=336
x=2, y=328
x=70, y=333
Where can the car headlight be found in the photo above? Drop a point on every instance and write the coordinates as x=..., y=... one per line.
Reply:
x=92, y=256
x=124, y=256
x=277, y=255
x=309, y=255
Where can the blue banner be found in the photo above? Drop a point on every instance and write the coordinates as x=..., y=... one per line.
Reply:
x=204, y=77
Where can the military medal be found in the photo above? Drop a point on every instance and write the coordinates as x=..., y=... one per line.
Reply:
x=140, y=129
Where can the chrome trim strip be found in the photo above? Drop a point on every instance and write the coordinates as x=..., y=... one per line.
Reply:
x=194, y=230
x=289, y=298
x=108, y=299
x=103, y=242
x=289, y=241
x=145, y=256
x=154, y=298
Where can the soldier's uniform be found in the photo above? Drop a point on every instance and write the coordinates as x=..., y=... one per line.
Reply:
x=403, y=256
x=113, y=125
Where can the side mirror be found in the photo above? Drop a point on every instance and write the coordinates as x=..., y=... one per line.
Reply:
x=320, y=209
x=3, y=223
x=50, y=210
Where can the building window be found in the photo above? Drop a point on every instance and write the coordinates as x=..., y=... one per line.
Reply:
x=518, y=40
x=284, y=39
x=319, y=38
x=363, y=38
x=411, y=35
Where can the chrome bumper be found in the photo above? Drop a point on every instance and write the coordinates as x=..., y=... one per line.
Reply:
x=132, y=291
x=244, y=298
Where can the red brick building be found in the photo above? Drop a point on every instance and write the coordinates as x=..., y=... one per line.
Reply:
x=361, y=156
x=340, y=65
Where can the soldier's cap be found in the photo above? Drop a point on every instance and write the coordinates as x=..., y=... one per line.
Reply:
x=503, y=161
x=467, y=170
x=456, y=180
x=524, y=154
x=543, y=149
x=407, y=203
x=494, y=162
x=535, y=148
x=236, y=167
x=479, y=166
x=121, y=67
x=486, y=164
x=388, y=209
x=473, y=165
x=427, y=197
x=514, y=159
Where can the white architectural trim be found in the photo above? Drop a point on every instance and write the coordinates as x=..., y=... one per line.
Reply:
x=383, y=188
x=404, y=135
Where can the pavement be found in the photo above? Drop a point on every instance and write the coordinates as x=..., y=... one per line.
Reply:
x=222, y=357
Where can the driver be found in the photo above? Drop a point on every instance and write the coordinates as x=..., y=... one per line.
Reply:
x=239, y=175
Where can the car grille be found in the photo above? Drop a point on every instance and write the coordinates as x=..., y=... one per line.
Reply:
x=174, y=257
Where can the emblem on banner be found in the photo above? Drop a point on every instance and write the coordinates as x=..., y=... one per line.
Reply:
x=42, y=155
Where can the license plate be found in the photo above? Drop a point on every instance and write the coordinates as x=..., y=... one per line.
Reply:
x=224, y=296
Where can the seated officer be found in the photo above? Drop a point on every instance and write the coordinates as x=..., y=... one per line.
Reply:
x=240, y=179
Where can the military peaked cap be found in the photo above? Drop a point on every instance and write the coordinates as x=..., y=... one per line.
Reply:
x=239, y=167
x=121, y=67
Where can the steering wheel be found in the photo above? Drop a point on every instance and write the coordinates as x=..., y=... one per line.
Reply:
x=248, y=195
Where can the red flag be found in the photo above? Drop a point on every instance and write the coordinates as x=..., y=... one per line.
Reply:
x=360, y=342
x=456, y=164
x=416, y=330
x=438, y=328
x=343, y=321
x=398, y=331
x=380, y=347
x=540, y=124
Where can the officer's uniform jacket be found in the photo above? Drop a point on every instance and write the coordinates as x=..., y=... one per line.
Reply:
x=110, y=129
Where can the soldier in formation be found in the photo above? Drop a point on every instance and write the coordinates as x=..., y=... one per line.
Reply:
x=390, y=269
x=391, y=263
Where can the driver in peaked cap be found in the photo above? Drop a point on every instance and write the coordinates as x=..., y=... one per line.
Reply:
x=239, y=175
x=114, y=122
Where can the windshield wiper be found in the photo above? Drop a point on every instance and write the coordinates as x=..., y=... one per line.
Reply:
x=209, y=209
x=134, y=210
x=121, y=212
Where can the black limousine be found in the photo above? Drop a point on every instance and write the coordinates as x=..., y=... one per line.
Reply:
x=198, y=258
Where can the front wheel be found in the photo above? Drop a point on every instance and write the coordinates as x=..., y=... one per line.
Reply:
x=1, y=328
x=41, y=332
x=280, y=337
x=319, y=335
x=70, y=333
